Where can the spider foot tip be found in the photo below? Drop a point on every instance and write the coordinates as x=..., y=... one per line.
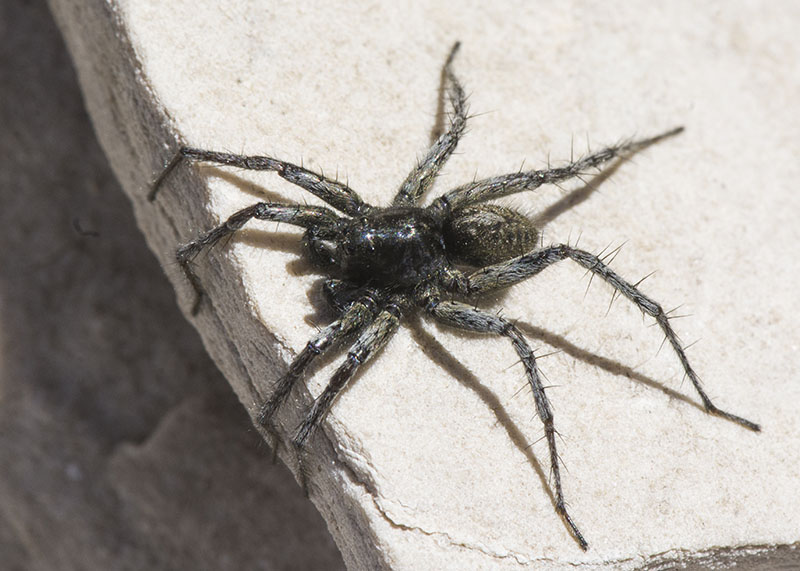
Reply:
x=750, y=425
x=754, y=426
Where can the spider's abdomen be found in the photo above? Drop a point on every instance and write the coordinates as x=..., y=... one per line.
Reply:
x=487, y=234
x=400, y=246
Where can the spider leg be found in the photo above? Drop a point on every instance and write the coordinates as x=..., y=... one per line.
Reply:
x=357, y=315
x=373, y=337
x=338, y=195
x=503, y=185
x=467, y=317
x=371, y=340
x=422, y=176
x=316, y=217
x=520, y=268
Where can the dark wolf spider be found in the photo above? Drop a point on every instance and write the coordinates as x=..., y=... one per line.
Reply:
x=383, y=261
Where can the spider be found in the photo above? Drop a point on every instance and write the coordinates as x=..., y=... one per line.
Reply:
x=384, y=262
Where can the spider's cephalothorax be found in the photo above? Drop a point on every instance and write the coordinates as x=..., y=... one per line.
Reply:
x=397, y=247
x=383, y=262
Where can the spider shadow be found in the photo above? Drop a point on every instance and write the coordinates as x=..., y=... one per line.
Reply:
x=564, y=345
x=440, y=355
x=288, y=242
x=235, y=177
x=575, y=197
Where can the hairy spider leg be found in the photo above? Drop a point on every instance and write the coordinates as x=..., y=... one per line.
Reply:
x=423, y=175
x=517, y=269
x=464, y=316
x=353, y=319
x=373, y=337
x=503, y=185
x=307, y=216
x=338, y=195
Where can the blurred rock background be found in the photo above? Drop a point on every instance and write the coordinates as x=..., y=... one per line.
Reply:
x=121, y=445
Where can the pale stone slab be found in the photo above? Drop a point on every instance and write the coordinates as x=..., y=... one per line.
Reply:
x=425, y=460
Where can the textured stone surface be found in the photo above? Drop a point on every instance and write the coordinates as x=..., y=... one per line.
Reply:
x=121, y=445
x=425, y=461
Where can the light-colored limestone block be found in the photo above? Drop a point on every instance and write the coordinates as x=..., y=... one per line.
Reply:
x=432, y=458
